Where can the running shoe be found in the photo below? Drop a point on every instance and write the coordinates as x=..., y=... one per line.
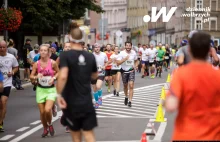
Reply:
x=45, y=133
x=126, y=101
x=109, y=90
x=51, y=130
x=100, y=101
x=129, y=104
x=117, y=94
x=114, y=92
x=96, y=105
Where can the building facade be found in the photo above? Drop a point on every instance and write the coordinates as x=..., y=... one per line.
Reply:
x=181, y=22
x=116, y=15
x=137, y=9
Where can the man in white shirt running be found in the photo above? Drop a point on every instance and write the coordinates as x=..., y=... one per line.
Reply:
x=152, y=55
x=129, y=63
x=101, y=61
x=8, y=67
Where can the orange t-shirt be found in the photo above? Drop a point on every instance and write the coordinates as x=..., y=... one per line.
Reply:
x=108, y=55
x=197, y=86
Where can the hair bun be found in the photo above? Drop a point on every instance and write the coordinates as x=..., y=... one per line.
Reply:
x=73, y=25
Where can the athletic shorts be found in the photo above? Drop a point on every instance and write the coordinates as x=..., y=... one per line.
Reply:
x=151, y=64
x=93, y=82
x=108, y=72
x=114, y=72
x=77, y=121
x=145, y=62
x=6, y=91
x=126, y=77
x=159, y=63
x=44, y=94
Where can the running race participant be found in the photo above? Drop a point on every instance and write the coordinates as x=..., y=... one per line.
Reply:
x=144, y=59
x=159, y=60
x=129, y=63
x=101, y=61
x=152, y=54
x=108, y=76
x=74, y=84
x=44, y=73
x=116, y=71
x=167, y=57
x=8, y=67
x=67, y=47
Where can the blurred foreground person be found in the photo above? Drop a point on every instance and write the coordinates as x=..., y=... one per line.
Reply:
x=196, y=97
x=77, y=68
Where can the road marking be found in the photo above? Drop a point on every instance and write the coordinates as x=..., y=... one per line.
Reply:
x=126, y=109
x=36, y=122
x=7, y=137
x=22, y=129
x=161, y=130
x=111, y=114
x=33, y=130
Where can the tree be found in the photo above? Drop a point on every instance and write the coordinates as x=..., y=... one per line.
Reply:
x=46, y=15
x=41, y=15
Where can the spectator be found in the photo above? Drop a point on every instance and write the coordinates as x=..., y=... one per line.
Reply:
x=26, y=49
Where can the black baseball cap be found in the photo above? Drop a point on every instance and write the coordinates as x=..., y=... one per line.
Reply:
x=28, y=39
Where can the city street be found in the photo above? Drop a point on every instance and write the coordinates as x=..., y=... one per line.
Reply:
x=116, y=121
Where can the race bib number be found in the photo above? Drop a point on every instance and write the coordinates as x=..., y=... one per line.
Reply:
x=99, y=68
x=44, y=81
x=114, y=66
x=166, y=57
x=129, y=62
x=157, y=59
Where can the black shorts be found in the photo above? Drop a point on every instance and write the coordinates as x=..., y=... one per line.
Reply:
x=6, y=91
x=108, y=72
x=151, y=64
x=93, y=82
x=114, y=72
x=159, y=63
x=77, y=121
x=26, y=65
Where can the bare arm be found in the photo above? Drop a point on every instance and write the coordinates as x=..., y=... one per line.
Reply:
x=58, y=61
x=119, y=62
x=56, y=69
x=33, y=75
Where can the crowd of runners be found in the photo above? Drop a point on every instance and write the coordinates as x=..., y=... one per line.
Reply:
x=75, y=74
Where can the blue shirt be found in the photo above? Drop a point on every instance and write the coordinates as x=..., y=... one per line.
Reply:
x=1, y=77
x=36, y=58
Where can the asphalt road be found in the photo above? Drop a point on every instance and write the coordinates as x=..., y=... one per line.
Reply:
x=116, y=121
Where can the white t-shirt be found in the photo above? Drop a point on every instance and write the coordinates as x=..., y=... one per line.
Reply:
x=31, y=56
x=128, y=64
x=144, y=54
x=114, y=65
x=101, y=59
x=152, y=54
x=6, y=64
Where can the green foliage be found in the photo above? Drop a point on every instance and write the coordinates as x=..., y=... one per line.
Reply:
x=45, y=15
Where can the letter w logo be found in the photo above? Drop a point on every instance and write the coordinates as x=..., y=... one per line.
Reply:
x=154, y=16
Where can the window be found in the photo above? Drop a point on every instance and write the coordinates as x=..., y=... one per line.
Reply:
x=198, y=24
x=213, y=5
x=199, y=3
x=213, y=23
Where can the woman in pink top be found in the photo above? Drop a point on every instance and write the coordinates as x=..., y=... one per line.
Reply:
x=44, y=73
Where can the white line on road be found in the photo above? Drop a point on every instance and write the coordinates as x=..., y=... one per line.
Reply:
x=28, y=133
x=161, y=130
x=36, y=122
x=22, y=129
x=6, y=137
